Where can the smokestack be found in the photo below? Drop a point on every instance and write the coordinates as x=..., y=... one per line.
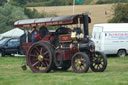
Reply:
x=85, y=23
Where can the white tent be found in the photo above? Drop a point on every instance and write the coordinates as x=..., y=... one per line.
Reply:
x=14, y=33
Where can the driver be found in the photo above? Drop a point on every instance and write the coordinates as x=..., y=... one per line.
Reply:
x=34, y=32
x=38, y=35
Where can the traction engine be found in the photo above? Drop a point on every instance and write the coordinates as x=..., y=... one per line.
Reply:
x=63, y=48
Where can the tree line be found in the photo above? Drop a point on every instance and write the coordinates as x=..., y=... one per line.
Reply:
x=11, y=12
x=32, y=3
x=46, y=2
x=120, y=14
x=111, y=1
x=61, y=2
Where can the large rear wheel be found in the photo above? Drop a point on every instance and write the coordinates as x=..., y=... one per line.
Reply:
x=98, y=62
x=80, y=62
x=39, y=58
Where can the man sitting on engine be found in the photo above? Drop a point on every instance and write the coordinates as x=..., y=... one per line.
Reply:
x=43, y=31
x=34, y=33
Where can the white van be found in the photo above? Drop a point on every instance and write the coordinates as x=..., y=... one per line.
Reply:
x=111, y=38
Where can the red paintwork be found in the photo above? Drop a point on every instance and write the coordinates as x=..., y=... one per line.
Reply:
x=45, y=39
x=67, y=54
x=65, y=38
x=26, y=46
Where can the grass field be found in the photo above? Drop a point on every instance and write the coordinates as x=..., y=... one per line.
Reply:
x=97, y=12
x=12, y=74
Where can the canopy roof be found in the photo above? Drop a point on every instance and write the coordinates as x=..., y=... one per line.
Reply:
x=62, y=20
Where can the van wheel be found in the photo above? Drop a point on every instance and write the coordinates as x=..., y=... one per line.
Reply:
x=121, y=53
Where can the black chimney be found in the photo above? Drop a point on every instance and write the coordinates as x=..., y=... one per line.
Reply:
x=85, y=23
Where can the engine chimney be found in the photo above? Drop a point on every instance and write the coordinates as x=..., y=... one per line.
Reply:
x=86, y=20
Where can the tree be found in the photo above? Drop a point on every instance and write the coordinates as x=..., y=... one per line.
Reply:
x=31, y=13
x=120, y=14
x=8, y=15
x=22, y=2
x=35, y=14
x=2, y=2
x=19, y=2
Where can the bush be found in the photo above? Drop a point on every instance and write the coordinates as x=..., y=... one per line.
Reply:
x=2, y=2
x=35, y=14
x=111, y=1
x=120, y=14
x=35, y=4
x=99, y=2
x=8, y=15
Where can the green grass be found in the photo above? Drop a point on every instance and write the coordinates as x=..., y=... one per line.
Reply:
x=12, y=74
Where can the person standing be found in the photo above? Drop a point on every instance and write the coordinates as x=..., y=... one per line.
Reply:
x=105, y=12
x=34, y=33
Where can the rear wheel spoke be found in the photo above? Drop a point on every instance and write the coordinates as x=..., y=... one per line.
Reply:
x=45, y=53
x=37, y=53
x=35, y=63
x=41, y=51
x=37, y=50
x=46, y=59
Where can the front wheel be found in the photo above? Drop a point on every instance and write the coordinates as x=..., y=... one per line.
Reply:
x=98, y=62
x=80, y=62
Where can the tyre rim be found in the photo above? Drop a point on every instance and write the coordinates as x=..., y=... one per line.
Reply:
x=79, y=63
x=98, y=62
x=39, y=58
x=121, y=53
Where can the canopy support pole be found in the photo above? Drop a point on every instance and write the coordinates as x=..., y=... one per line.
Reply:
x=73, y=7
